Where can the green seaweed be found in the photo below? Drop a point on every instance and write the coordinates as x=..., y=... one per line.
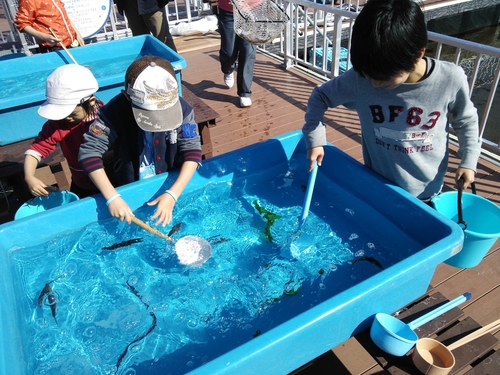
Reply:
x=291, y=288
x=269, y=217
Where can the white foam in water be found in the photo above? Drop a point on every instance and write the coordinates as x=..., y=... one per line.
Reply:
x=192, y=250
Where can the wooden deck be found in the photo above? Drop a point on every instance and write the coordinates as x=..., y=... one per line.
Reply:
x=279, y=101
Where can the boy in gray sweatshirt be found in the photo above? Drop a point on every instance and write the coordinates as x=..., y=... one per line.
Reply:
x=406, y=102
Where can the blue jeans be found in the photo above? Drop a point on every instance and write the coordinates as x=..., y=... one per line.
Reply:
x=233, y=48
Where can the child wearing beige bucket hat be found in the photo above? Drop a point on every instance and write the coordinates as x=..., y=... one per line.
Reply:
x=70, y=108
x=151, y=130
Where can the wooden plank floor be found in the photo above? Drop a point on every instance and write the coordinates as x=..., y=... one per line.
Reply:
x=279, y=101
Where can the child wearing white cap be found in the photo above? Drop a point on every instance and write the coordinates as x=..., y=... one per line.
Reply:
x=151, y=130
x=70, y=107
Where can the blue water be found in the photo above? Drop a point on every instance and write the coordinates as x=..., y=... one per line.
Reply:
x=137, y=310
x=34, y=82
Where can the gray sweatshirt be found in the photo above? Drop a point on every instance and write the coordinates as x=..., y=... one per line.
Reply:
x=404, y=130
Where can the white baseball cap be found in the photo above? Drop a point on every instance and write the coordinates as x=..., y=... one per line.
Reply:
x=155, y=96
x=65, y=88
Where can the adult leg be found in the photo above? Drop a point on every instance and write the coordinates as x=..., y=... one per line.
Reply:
x=157, y=23
x=135, y=21
x=246, y=62
x=228, y=51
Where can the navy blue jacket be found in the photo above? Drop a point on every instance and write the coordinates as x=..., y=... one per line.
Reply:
x=116, y=128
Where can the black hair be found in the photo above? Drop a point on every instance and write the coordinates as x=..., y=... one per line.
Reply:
x=86, y=105
x=387, y=38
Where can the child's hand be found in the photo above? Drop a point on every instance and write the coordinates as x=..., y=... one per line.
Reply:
x=164, y=210
x=467, y=175
x=79, y=38
x=119, y=208
x=50, y=39
x=36, y=187
x=315, y=154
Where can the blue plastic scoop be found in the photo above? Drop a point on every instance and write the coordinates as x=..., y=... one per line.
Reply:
x=309, y=193
x=286, y=249
x=396, y=337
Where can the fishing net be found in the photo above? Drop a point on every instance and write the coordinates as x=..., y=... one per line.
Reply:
x=258, y=21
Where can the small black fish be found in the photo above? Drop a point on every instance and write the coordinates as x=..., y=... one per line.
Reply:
x=46, y=289
x=151, y=328
x=122, y=244
x=368, y=259
x=51, y=297
x=52, y=301
x=175, y=229
x=51, y=189
x=215, y=240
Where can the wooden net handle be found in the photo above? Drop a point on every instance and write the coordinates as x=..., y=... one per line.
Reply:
x=150, y=229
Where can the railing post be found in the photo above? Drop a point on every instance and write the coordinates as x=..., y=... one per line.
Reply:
x=336, y=42
x=288, y=37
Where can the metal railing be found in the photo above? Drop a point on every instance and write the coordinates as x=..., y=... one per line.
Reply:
x=318, y=38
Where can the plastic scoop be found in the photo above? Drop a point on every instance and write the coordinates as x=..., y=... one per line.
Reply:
x=289, y=250
x=396, y=337
x=309, y=193
x=64, y=48
x=190, y=250
x=433, y=358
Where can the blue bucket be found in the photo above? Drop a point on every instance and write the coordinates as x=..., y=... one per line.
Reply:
x=483, y=225
x=40, y=204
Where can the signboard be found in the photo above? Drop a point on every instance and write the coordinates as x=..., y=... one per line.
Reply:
x=88, y=16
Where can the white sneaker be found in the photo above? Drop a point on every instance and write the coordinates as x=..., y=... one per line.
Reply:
x=245, y=102
x=229, y=80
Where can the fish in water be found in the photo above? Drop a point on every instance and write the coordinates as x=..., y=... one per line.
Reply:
x=151, y=328
x=51, y=297
x=122, y=244
x=217, y=239
x=368, y=259
x=220, y=240
x=51, y=189
x=175, y=229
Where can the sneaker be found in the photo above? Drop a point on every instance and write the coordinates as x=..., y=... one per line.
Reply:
x=229, y=79
x=245, y=102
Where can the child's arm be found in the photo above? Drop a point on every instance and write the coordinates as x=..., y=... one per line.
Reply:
x=315, y=154
x=314, y=130
x=167, y=201
x=35, y=186
x=42, y=36
x=116, y=204
x=79, y=38
x=467, y=175
x=465, y=122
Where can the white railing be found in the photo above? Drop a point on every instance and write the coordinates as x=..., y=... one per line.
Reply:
x=318, y=39
x=318, y=36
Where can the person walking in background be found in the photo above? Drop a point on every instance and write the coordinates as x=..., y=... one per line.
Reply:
x=70, y=107
x=406, y=102
x=235, y=54
x=37, y=17
x=147, y=17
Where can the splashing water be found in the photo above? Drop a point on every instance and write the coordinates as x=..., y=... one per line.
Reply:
x=141, y=305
